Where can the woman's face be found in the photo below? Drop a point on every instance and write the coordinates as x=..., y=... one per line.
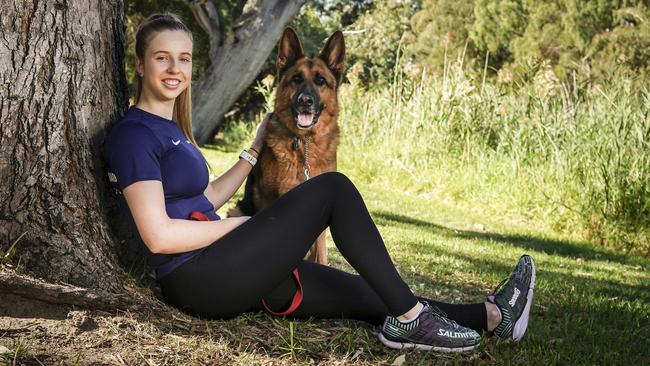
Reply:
x=166, y=69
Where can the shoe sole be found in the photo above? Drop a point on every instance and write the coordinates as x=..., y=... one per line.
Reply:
x=399, y=345
x=522, y=323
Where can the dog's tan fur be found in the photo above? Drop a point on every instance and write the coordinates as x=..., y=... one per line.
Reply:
x=280, y=165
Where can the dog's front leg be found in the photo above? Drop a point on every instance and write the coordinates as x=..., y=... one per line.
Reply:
x=318, y=252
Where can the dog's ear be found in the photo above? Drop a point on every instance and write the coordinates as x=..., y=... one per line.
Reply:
x=289, y=50
x=334, y=55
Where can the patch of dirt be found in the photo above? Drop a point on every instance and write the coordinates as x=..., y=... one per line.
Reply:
x=46, y=334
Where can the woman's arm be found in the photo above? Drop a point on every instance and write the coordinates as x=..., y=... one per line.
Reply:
x=164, y=235
x=220, y=190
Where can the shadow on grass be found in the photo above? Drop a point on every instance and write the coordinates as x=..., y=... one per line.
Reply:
x=558, y=278
x=565, y=248
x=578, y=318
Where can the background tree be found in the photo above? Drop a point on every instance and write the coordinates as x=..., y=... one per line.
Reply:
x=626, y=48
x=342, y=12
x=439, y=33
x=570, y=36
x=62, y=67
x=376, y=38
x=495, y=24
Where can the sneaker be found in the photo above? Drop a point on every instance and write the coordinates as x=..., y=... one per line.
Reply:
x=514, y=297
x=431, y=330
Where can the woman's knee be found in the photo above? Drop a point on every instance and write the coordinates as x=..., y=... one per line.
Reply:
x=330, y=186
x=335, y=180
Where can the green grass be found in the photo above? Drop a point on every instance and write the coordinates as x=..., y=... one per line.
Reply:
x=7, y=257
x=16, y=354
x=592, y=304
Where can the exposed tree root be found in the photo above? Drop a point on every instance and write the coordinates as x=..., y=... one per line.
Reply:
x=31, y=288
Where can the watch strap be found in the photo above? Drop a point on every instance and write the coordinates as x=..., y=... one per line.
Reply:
x=248, y=157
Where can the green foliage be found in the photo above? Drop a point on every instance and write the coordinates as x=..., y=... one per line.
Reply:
x=561, y=31
x=341, y=12
x=495, y=24
x=573, y=36
x=439, y=32
x=375, y=40
x=313, y=32
x=289, y=346
x=625, y=48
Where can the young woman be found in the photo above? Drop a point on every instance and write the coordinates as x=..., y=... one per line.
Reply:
x=224, y=267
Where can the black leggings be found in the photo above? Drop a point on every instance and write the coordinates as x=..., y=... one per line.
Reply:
x=255, y=261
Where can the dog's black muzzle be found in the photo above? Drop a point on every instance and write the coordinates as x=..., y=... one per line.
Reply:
x=306, y=109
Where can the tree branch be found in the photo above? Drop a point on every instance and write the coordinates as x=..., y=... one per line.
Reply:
x=250, y=11
x=239, y=60
x=208, y=18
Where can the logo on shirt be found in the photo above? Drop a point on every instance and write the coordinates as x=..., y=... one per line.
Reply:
x=188, y=141
x=111, y=177
x=176, y=142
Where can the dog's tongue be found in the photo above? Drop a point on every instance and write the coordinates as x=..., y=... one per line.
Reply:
x=304, y=120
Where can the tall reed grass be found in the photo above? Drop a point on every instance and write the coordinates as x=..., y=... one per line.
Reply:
x=577, y=161
x=574, y=160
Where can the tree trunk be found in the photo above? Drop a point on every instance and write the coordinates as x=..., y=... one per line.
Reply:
x=237, y=58
x=62, y=82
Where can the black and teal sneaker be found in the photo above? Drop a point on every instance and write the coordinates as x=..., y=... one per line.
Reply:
x=514, y=297
x=431, y=330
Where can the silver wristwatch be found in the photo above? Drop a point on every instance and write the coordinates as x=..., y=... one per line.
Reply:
x=248, y=157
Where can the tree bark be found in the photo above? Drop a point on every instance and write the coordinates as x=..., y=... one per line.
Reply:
x=236, y=59
x=61, y=83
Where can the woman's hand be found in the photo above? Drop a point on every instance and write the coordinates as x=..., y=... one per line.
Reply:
x=220, y=190
x=261, y=133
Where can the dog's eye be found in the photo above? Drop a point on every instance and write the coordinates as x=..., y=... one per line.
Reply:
x=296, y=79
x=319, y=80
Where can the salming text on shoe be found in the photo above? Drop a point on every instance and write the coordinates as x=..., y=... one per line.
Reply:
x=514, y=297
x=431, y=330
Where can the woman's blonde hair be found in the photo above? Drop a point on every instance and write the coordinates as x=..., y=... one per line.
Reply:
x=156, y=23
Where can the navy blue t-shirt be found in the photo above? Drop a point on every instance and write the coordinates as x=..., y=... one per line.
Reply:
x=144, y=146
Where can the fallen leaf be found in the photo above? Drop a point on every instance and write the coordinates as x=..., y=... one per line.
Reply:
x=399, y=361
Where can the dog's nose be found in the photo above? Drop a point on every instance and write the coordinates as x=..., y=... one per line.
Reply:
x=305, y=99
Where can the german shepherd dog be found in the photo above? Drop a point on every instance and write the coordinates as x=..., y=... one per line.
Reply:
x=303, y=135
